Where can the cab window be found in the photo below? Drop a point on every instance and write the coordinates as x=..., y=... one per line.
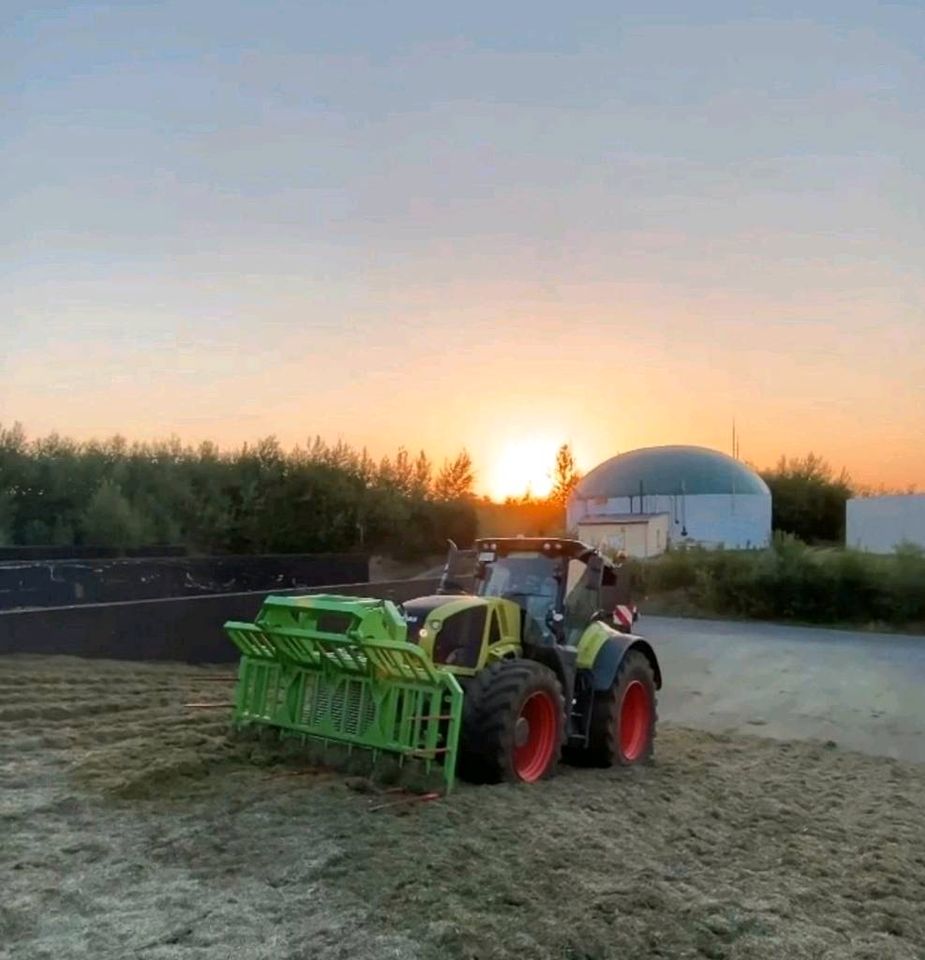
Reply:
x=583, y=597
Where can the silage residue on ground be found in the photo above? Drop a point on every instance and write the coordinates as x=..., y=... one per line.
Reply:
x=132, y=826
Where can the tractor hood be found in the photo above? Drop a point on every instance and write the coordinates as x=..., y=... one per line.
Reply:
x=417, y=611
x=463, y=632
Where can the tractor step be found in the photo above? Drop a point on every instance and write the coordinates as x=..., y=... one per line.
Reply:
x=581, y=712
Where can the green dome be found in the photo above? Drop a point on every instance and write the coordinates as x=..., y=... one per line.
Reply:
x=667, y=471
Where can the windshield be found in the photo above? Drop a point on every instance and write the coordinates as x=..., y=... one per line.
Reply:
x=529, y=580
x=523, y=575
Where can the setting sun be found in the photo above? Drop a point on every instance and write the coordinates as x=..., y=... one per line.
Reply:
x=523, y=466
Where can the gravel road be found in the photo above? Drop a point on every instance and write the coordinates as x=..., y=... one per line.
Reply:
x=864, y=691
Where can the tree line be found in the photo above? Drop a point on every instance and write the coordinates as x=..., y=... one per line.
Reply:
x=320, y=497
x=259, y=498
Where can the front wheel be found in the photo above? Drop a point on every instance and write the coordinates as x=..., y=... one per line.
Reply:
x=513, y=723
x=624, y=717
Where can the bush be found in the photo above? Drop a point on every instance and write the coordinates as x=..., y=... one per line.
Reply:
x=905, y=584
x=678, y=569
x=792, y=581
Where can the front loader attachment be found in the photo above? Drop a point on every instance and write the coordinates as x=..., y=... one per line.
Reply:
x=340, y=670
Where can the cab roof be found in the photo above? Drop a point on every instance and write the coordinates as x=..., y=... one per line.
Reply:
x=554, y=546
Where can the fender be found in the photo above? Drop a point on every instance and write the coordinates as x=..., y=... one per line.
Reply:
x=602, y=649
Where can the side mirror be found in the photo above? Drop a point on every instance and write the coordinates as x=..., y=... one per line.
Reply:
x=595, y=567
x=446, y=584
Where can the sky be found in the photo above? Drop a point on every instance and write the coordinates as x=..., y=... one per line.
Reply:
x=492, y=226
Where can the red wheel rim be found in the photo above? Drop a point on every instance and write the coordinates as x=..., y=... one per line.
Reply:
x=531, y=758
x=634, y=720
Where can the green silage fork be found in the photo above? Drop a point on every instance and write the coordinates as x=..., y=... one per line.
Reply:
x=340, y=669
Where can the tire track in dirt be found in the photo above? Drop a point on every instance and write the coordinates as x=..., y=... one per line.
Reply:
x=151, y=832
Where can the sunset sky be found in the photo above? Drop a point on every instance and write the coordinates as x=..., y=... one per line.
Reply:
x=447, y=225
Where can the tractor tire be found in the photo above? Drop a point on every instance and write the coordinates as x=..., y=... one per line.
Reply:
x=513, y=725
x=624, y=717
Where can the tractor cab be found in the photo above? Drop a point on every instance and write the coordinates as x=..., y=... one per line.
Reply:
x=561, y=585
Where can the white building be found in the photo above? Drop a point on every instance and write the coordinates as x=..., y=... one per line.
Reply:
x=684, y=494
x=636, y=534
x=880, y=524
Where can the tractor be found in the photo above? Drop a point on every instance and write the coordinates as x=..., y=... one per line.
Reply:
x=497, y=680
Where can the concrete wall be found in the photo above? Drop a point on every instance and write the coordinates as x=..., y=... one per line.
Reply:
x=880, y=524
x=184, y=629
x=71, y=552
x=55, y=583
x=735, y=522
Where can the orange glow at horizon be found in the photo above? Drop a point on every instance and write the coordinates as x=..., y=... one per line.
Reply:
x=603, y=379
x=521, y=467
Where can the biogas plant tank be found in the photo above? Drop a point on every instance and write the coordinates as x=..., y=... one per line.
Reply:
x=651, y=498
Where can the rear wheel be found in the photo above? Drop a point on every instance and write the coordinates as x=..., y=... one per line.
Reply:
x=513, y=723
x=624, y=717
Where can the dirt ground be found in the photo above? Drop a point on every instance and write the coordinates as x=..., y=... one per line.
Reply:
x=133, y=826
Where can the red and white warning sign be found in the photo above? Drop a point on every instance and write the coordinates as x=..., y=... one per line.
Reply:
x=623, y=616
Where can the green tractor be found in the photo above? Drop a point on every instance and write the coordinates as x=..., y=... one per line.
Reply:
x=498, y=682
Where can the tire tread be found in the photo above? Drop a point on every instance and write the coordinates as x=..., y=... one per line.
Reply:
x=603, y=749
x=492, y=704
